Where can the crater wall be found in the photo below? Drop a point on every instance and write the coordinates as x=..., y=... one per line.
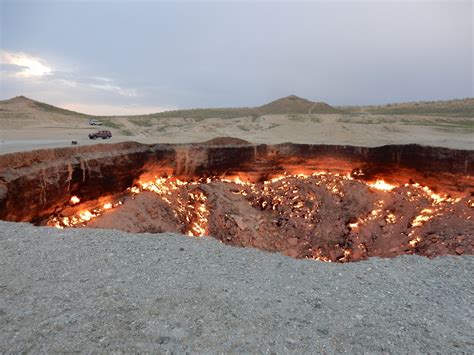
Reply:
x=39, y=183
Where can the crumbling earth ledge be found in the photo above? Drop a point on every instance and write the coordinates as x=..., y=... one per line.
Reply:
x=87, y=290
x=36, y=184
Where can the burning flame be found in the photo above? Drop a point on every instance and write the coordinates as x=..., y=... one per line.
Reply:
x=201, y=214
x=81, y=217
x=425, y=215
x=415, y=241
x=381, y=185
x=391, y=218
x=190, y=205
x=74, y=200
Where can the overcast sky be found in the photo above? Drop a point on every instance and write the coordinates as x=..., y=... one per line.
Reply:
x=133, y=57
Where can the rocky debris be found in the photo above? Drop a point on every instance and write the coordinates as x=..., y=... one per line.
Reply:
x=327, y=217
x=225, y=141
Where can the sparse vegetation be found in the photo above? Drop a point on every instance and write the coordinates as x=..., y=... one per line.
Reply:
x=450, y=108
x=243, y=127
x=111, y=123
x=200, y=114
x=286, y=105
x=126, y=132
x=142, y=121
x=444, y=123
x=51, y=108
x=303, y=118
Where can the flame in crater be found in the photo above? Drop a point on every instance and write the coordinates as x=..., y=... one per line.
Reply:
x=381, y=185
x=295, y=198
x=74, y=200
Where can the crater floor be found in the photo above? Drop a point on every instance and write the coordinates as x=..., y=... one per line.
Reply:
x=323, y=216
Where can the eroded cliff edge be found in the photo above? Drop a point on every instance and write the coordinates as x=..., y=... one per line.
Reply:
x=39, y=183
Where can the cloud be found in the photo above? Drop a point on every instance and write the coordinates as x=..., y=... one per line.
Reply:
x=30, y=75
x=115, y=89
x=20, y=65
x=24, y=65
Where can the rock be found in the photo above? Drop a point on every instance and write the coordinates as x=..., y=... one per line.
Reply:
x=291, y=252
x=459, y=250
x=336, y=254
x=292, y=242
x=239, y=221
x=164, y=340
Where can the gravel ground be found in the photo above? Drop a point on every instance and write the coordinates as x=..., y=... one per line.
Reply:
x=90, y=290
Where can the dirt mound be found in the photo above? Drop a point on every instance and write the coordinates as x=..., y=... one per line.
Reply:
x=225, y=141
x=295, y=104
x=144, y=213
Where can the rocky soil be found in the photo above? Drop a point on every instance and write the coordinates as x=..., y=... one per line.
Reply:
x=87, y=290
x=324, y=216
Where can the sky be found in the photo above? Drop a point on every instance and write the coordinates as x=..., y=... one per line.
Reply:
x=132, y=57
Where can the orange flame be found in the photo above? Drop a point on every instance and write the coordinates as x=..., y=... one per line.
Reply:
x=74, y=200
x=381, y=185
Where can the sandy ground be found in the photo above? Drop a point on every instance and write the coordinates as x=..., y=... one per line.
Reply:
x=86, y=290
x=371, y=130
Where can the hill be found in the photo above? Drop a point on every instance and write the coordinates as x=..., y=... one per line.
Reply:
x=23, y=107
x=287, y=105
x=295, y=104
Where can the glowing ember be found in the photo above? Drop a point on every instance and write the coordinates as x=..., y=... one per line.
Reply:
x=86, y=215
x=74, y=200
x=390, y=218
x=415, y=241
x=424, y=216
x=381, y=185
x=200, y=216
x=315, y=216
x=81, y=217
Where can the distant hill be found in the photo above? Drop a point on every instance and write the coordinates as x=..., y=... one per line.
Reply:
x=23, y=107
x=447, y=108
x=295, y=104
x=287, y=105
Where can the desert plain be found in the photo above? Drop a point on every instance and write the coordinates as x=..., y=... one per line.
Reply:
x=27, y=124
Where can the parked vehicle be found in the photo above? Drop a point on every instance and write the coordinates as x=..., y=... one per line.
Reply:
x=100, y=134
x=95, y=122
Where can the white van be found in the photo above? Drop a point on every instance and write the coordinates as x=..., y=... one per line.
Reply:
x=94, y=122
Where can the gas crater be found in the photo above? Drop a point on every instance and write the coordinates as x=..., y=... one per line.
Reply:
x=329, y=203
